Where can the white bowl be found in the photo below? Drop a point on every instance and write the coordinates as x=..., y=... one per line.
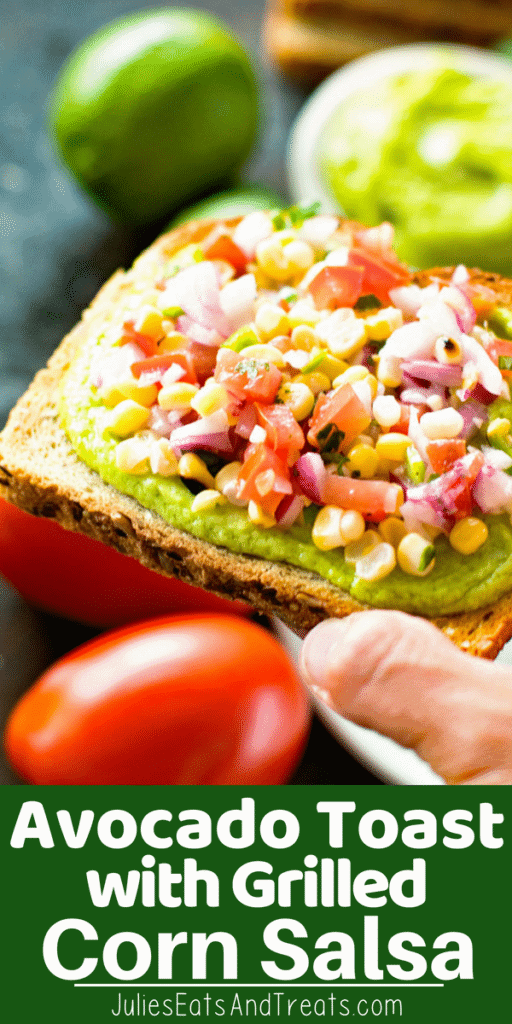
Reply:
x=304, y=177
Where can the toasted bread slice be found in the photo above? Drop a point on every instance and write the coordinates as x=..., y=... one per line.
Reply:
x=40, y=473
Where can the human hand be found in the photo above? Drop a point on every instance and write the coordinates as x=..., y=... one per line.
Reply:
x=401, y=676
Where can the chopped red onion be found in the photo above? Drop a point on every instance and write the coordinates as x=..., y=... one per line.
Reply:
x=297, y=358
x=473, y=414
x=465, y=313
x=488, y=373
x=162, y=422
x=254, y=228
x=312, y=473
x=237, y=300
x=211, y=433
x=492, y=490
x=196, y=291
x=289, y=510
x=412, y=341
x=447, y=374
x=410, y=297
x=196, y=332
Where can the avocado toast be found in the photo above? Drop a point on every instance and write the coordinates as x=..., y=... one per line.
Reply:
x=67, y=453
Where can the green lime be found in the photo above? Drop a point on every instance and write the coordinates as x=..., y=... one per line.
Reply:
x=154, y=109
x=235, y=202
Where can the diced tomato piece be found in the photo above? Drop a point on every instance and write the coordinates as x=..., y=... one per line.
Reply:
x=443, y=454
x=259, y=460
x=203, y=359
x=163, y=362
x=283, y=431
x=375, y=499
x=497, y=347
x=224, y=248
x=335, y=287
x=148, y=345
x=377, y=240
x=452, y=491
x=246, y=379
x=338, y=418
x=380, y=275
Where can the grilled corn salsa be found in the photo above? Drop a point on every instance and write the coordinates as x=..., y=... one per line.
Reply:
x=284, y=389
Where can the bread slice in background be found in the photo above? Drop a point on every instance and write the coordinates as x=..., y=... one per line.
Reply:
x=308, y=39
x=40, y=473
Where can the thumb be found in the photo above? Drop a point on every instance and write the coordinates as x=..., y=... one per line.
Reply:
x=401, y=676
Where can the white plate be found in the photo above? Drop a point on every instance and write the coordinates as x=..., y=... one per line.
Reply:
x=382, y=756
x=304, y=179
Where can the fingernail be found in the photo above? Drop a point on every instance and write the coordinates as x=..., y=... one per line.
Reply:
x=316, y=653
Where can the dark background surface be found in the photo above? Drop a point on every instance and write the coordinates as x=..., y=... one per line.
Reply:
x=57, y=248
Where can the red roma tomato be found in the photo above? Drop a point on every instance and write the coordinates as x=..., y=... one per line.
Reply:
x=260, y=461
x=198, y=700
x=71, y=575
x=443, y=454
x=224, y=248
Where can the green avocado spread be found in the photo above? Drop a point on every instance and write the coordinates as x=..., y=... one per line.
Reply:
x=456, y=584
x=430, y=152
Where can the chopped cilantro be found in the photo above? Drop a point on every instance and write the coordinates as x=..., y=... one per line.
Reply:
x=252, y=367
x=368, y=302
x=337, y=458
x=505, y=362
x=294, y=216
x=329, y=438
x=433, y=476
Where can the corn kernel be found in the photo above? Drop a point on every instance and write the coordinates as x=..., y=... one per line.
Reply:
x=447, y=351
x=172, y=341
x=271, y=258
x=127, y=417
x=415, y=555
x=226, y=481
x=386, y=410
x=380, y=325
x=303, y=314
x=304, y=337
x=149, y=322
x=343, y=333
x=392, y=530
x=270, y=321
x=110, y=395
x=177, y=396
x=435, y=402
x=352, y=526
x=499, y=427
x=363, y=461
x=209, y=399
x=315, y=381
x=131, y=456
x=163, y=460
x=192, y=467
x=359, y=548
x=446, y=423
x=392, y=446
x=144, y=394
x=350, y=375
x=468, y=535
x=389, y=371
x=298, y=397
x=377, y=563
x=268, y=354
x=259, y=517
x=326, y=533
x=265, y=481
x=207, y=499
x=300, y=256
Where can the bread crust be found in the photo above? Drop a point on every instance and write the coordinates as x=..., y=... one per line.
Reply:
x=40, y=473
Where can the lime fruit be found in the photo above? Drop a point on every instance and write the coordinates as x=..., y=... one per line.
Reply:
x=235, y=202
x=154, y=109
